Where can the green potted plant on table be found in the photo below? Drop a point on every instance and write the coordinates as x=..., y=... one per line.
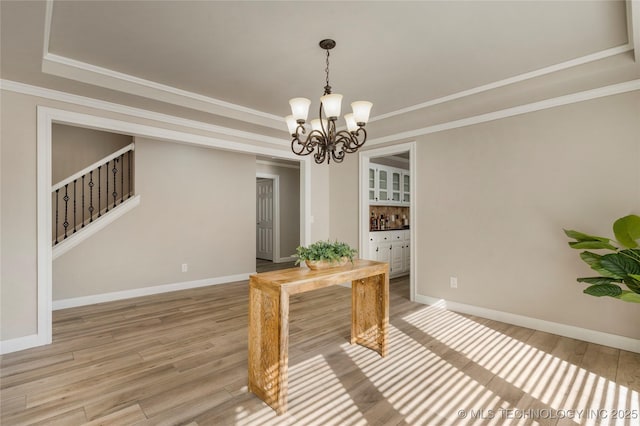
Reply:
x=325, y=254
x=620, y=266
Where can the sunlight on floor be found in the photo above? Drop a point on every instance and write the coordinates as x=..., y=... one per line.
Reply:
x=466, y=373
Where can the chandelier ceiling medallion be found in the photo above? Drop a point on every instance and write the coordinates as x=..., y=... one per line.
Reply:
x=324, y=141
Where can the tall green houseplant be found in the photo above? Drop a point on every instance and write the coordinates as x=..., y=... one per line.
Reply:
x=619, y=267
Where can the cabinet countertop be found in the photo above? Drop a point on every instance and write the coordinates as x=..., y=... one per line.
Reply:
x=404, y=228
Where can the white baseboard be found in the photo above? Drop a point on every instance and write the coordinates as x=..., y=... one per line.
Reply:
x=285, y=259
x=145, y=291
x=21, y=343
x=565, y=330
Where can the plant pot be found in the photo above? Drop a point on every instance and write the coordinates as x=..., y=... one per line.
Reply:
x=324, y=264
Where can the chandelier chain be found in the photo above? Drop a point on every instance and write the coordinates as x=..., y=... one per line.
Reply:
x=327, y=88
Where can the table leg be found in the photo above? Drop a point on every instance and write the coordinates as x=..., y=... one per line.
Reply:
x=268, y=346
x=370, y=312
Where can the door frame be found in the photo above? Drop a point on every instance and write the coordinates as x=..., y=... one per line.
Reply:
x=363, y=203
x=46, y=116
x=276, y=214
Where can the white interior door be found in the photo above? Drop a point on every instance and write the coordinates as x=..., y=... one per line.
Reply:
x=264, y=219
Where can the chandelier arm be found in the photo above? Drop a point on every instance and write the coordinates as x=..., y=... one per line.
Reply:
x=356, y=137
x=338, y=154
x=320, y=154
x=324, y=131
x=350, y=140
x=306, y=147
x=345, y=144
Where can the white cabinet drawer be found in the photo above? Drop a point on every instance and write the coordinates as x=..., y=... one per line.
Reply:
x=387, y=236
x=396, y=236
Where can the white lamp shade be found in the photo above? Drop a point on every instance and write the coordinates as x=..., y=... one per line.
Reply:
x=361, y=110
x=300, y=108
x=291, y=124
x=351, y=122
x=332, y=104
x=315, y=124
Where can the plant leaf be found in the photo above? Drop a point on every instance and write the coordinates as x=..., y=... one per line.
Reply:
x=629, y=296
x=632, y=283
x=603, y=290
x=579, y=236
x=632, y=253
x=635, y=277
x=598, y=280
x=592, y=244
x=620, y=264
x=627, y=230
x=593, y=260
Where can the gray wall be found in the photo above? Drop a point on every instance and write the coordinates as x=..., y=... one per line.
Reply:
x=343, y=201
x=18, y=269
x=197, y=207
x=289, y=206
x=492, y=200
x=74, y=148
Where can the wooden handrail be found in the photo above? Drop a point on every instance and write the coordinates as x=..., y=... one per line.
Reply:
x=93, y=166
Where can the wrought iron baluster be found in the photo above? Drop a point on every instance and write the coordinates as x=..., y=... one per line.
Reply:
x=66, y=209
x=106, y=192
x=121, y=178
x=57, y=196
x=114, y=170
x=91, y=184
x=74, y=206
x=129, y=163
x=99, y=192
x=83, y=201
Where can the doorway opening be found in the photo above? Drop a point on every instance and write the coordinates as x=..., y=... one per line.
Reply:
x=388, y=212
x=277, y=213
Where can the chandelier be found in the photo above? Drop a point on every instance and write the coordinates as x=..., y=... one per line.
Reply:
x=324, y=140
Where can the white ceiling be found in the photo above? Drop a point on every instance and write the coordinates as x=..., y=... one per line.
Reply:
x=244, y=60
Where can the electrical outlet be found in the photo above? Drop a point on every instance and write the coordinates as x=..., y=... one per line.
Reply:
x=453, y=281
x=185, y=267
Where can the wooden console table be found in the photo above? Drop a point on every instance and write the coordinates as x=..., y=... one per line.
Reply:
x=269, y=319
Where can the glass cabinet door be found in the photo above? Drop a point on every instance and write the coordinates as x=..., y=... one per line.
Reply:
x=406, y=189
x=372, y=184
x=383, y=186
x=395, y=186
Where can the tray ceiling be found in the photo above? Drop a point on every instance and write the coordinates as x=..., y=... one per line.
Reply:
x=254, y=56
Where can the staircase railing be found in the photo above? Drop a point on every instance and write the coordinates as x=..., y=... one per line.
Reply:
x=83, y=197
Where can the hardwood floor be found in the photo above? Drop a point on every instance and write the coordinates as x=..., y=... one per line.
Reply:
x=181, y=358
x=267, y=265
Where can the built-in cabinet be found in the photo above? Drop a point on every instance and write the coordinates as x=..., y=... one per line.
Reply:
x=392, y=247
x=389, y=185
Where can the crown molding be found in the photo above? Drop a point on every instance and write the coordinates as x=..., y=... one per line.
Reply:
x=586, y=95
x=56, y=95
x=26, y=89
x=511, y=80
x=92, y=74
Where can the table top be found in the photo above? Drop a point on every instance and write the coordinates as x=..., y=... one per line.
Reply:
x=298, y=280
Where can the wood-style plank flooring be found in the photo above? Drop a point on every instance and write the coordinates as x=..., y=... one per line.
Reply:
x=263, y=265
x=181, y=358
